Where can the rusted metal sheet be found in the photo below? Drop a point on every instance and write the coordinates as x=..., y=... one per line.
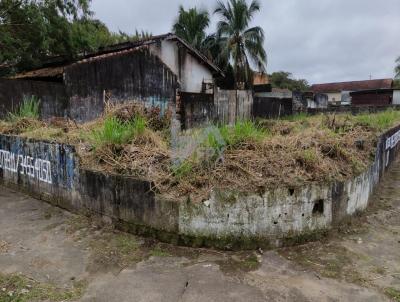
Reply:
x=372, y=97
x=352, y=86
x=272, y=107
x=197, y=109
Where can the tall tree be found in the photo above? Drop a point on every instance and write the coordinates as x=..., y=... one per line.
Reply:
x=283, y=79
x=31, y=30
x=240, y=43
x=191, y=26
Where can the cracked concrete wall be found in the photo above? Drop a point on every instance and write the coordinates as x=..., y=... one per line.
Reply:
x=227, y=219
x=283, y=212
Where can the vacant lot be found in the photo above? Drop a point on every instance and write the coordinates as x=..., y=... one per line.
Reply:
x=47, y=254
x=247, y=157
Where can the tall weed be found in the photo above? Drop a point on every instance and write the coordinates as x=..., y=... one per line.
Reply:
x=28, y=109
x=117, y=132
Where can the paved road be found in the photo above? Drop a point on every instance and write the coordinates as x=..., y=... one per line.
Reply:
x=43, y=243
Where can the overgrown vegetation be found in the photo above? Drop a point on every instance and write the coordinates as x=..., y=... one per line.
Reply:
x=242, y=132
x=29, y=109
x=117, y=132
x=393, y=293
x=245, y=157
x=18, y=288
x=380, y=121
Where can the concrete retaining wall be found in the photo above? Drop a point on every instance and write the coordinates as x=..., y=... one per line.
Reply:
x=227, y=220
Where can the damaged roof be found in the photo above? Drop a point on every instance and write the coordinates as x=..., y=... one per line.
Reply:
x=133, y=44
x=48, y=72
x=352, y=86
x=103, y=52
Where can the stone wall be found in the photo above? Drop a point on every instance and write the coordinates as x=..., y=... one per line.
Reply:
x=227, y=220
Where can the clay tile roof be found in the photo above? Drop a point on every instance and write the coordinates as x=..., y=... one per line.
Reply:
x=352, y=86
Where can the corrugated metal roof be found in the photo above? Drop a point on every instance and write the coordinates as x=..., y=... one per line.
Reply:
x=352, y=86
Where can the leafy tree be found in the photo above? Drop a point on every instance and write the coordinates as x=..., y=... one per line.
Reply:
x=32, y=30
x=240, y=43
x=191, y=26
x=89, y=35
x=284, y=80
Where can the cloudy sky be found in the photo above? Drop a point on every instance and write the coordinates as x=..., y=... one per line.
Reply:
x=319, y=40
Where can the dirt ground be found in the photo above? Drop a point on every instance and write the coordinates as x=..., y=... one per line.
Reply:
x=47, y=254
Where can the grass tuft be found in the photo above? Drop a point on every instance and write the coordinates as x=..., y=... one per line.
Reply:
x=18, y=288
x=116, y=132
x=158, y=252
x=182, y=170
x=28, y=109
x=242, y=132
x=393, y=294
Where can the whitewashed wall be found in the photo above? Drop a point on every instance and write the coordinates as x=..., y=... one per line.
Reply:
x=191, y=73
x=396, y=97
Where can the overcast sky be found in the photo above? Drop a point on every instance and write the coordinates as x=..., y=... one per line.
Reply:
x=319, y=40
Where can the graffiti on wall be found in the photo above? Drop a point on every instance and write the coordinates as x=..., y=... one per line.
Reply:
x=26, y=165
x=391, y=142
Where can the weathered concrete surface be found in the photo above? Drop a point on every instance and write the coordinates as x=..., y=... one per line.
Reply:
x=169, y=280
x=228, y=220
x=358, y=264
x=35, y=241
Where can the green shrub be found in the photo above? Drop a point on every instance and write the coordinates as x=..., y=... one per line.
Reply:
x=28, y=109
x=116, y=132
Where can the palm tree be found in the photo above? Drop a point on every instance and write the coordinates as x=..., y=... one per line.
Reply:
x=239, y=42
x=397, y=69
x=191, y=26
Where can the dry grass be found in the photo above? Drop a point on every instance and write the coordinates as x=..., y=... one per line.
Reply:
x=251, y=157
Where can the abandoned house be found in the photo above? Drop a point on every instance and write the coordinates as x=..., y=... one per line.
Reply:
x=157, y=71
x=339, y=93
